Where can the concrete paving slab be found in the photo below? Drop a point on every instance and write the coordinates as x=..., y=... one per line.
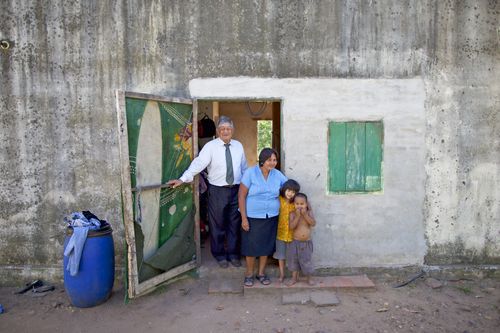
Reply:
x=303, y=297
x=324, y=298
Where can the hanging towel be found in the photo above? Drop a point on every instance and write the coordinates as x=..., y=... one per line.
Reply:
x=74, y=248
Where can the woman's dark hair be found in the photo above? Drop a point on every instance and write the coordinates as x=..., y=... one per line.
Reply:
x=301, y=195
x=291, y=185
x=265, y=154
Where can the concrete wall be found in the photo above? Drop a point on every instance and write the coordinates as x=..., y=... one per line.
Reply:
x=382, y=229
x=65, y=60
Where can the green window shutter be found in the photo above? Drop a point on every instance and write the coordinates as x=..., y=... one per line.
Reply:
x=373, y=166
x=355, y=157
x=336, y=157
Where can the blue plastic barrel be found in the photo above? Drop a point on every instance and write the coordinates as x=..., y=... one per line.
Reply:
x=94, y=282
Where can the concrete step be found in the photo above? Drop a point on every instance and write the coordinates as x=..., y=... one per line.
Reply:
x=332, y=283
x=230, y=280
x=231, y=284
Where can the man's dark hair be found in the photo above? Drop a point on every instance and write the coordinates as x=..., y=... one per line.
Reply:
x=291, y=185
x=265, y=154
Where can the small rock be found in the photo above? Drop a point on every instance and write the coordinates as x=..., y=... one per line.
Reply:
x=382, y=310
x=433, y=283
x=219, y=307
x=184, y=292
x=31, y=312
x=56, y=305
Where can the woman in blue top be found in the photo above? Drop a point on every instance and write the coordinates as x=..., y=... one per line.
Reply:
x=258, y=201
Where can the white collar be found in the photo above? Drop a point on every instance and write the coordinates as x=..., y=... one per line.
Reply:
x=223, y=143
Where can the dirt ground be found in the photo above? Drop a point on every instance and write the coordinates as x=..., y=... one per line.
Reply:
x=186, y=306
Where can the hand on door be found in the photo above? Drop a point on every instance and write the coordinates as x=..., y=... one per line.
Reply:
x=175, y=183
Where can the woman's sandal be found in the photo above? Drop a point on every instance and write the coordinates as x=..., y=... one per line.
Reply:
x=263, y=279
x=248, y=282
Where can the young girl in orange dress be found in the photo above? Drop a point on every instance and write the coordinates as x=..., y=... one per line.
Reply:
x=285, y=235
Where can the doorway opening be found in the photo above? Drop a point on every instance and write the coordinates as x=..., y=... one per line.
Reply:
x=256, y=122
x=257, y=125
x=264, y=134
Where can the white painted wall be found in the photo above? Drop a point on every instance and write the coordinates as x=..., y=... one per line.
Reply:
x=359, y=230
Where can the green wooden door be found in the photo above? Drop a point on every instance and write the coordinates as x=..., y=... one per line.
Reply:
x=156, y=145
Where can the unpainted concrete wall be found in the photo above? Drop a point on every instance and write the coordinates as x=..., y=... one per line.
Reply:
x=65, y=60
x=462, y=210
x=361, y=230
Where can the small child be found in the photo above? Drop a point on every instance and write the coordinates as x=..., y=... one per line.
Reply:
x=284, y=235
x=299, y=251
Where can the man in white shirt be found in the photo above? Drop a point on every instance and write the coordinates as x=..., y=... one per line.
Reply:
x=225, y=162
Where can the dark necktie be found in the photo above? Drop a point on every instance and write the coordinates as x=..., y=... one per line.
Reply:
x=229, y=166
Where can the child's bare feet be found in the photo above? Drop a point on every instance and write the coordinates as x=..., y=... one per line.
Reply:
x=281, y=279
x=311, y=282
x=291, y=282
